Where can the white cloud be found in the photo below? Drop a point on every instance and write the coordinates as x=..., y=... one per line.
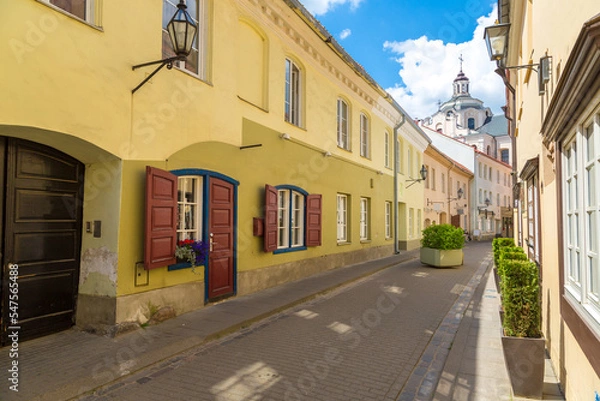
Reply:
x=320, y=7
x=345, y=33
x=428, y=68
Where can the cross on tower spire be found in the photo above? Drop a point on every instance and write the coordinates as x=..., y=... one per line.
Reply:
x=461, y=61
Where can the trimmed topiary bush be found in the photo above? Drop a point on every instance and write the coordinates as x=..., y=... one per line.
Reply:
x=498, y=244
x=443, y=236
x=521, y=299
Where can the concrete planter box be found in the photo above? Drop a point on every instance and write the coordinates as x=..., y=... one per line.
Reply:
x=525, y=360
x=442, y=258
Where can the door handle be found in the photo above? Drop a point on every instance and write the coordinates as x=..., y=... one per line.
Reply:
x=211, y=241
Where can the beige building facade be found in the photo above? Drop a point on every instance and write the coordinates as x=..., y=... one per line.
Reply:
x=447, y=190
x=555, y=109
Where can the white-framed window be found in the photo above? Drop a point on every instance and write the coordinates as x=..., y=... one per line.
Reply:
x=504, y=156
x=386, y=149
x=365, y=211
x=343, y=124
x=189, y=207
x=342, y=218
x=479, y=169
x=581, y=214
x=197, y=61
x=364, y=136
x=419, y=229
x=497, y=176
x=290, y=218
x=388, y=220
x=432, y=179
x=292, y=93
x=84, y=10
x=480, y=196
x=411, y=222
x=427, y=177
x=498, y=199
x=409, y=161
x=443, y=183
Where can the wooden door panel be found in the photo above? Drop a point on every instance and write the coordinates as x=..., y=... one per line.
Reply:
x=221, y=226
x=48, y=294
x=42, y=235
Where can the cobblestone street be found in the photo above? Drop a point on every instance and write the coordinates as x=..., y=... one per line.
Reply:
x=359, y=342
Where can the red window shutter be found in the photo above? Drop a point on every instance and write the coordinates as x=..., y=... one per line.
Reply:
x=161, y=218
x=313, y=220
x=270, y=226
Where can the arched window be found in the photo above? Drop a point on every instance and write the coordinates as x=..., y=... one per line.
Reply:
x=471, y=123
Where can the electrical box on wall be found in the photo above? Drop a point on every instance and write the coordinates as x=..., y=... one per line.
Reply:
x=142, y=276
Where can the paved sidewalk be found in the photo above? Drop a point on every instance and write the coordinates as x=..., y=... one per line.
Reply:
x=475, y=370
x=71, y=363
x=464, y=352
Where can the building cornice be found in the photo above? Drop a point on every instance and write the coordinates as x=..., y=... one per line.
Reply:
x=268, y=11
x=579, y=82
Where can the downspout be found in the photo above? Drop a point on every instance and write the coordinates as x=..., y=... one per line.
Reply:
x=513, y=141
x=449, y=193
x=396, y=185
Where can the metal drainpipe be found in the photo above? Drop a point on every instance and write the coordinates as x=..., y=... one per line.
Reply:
x=396, y=185
x=449, y=193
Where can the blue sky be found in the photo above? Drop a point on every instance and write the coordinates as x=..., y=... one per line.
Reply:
x=412, y=48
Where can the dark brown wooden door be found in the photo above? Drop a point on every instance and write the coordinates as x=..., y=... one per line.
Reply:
x=221, y=237
x=42, y=236
x=455, y=220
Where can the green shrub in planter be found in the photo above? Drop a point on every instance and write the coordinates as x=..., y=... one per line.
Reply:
x=508, y=254
x=498, y=244
x=443, y=236
x=521, y=299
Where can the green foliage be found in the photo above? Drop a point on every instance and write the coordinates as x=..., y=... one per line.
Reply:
x=498, y=244
x=521, y=298
x=507, y=254
x=443, y=236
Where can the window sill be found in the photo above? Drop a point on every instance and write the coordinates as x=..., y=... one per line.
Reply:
x=342, y=148
x=194, y=75
x=365, y=241
x=72, y=16
x=288, y=250
x=342, y=243
x=181, y=266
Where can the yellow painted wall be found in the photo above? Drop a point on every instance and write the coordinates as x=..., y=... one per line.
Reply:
x=70, y=88
x=276, y=162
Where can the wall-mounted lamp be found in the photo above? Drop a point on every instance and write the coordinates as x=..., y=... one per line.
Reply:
x=423, y=175
x=496, y=39
x=182, y=32
x=285, y=136
x=484, y=208
x=459, y=195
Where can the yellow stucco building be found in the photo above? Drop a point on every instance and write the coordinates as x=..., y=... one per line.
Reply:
x=268, y=143
x=552, y=74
